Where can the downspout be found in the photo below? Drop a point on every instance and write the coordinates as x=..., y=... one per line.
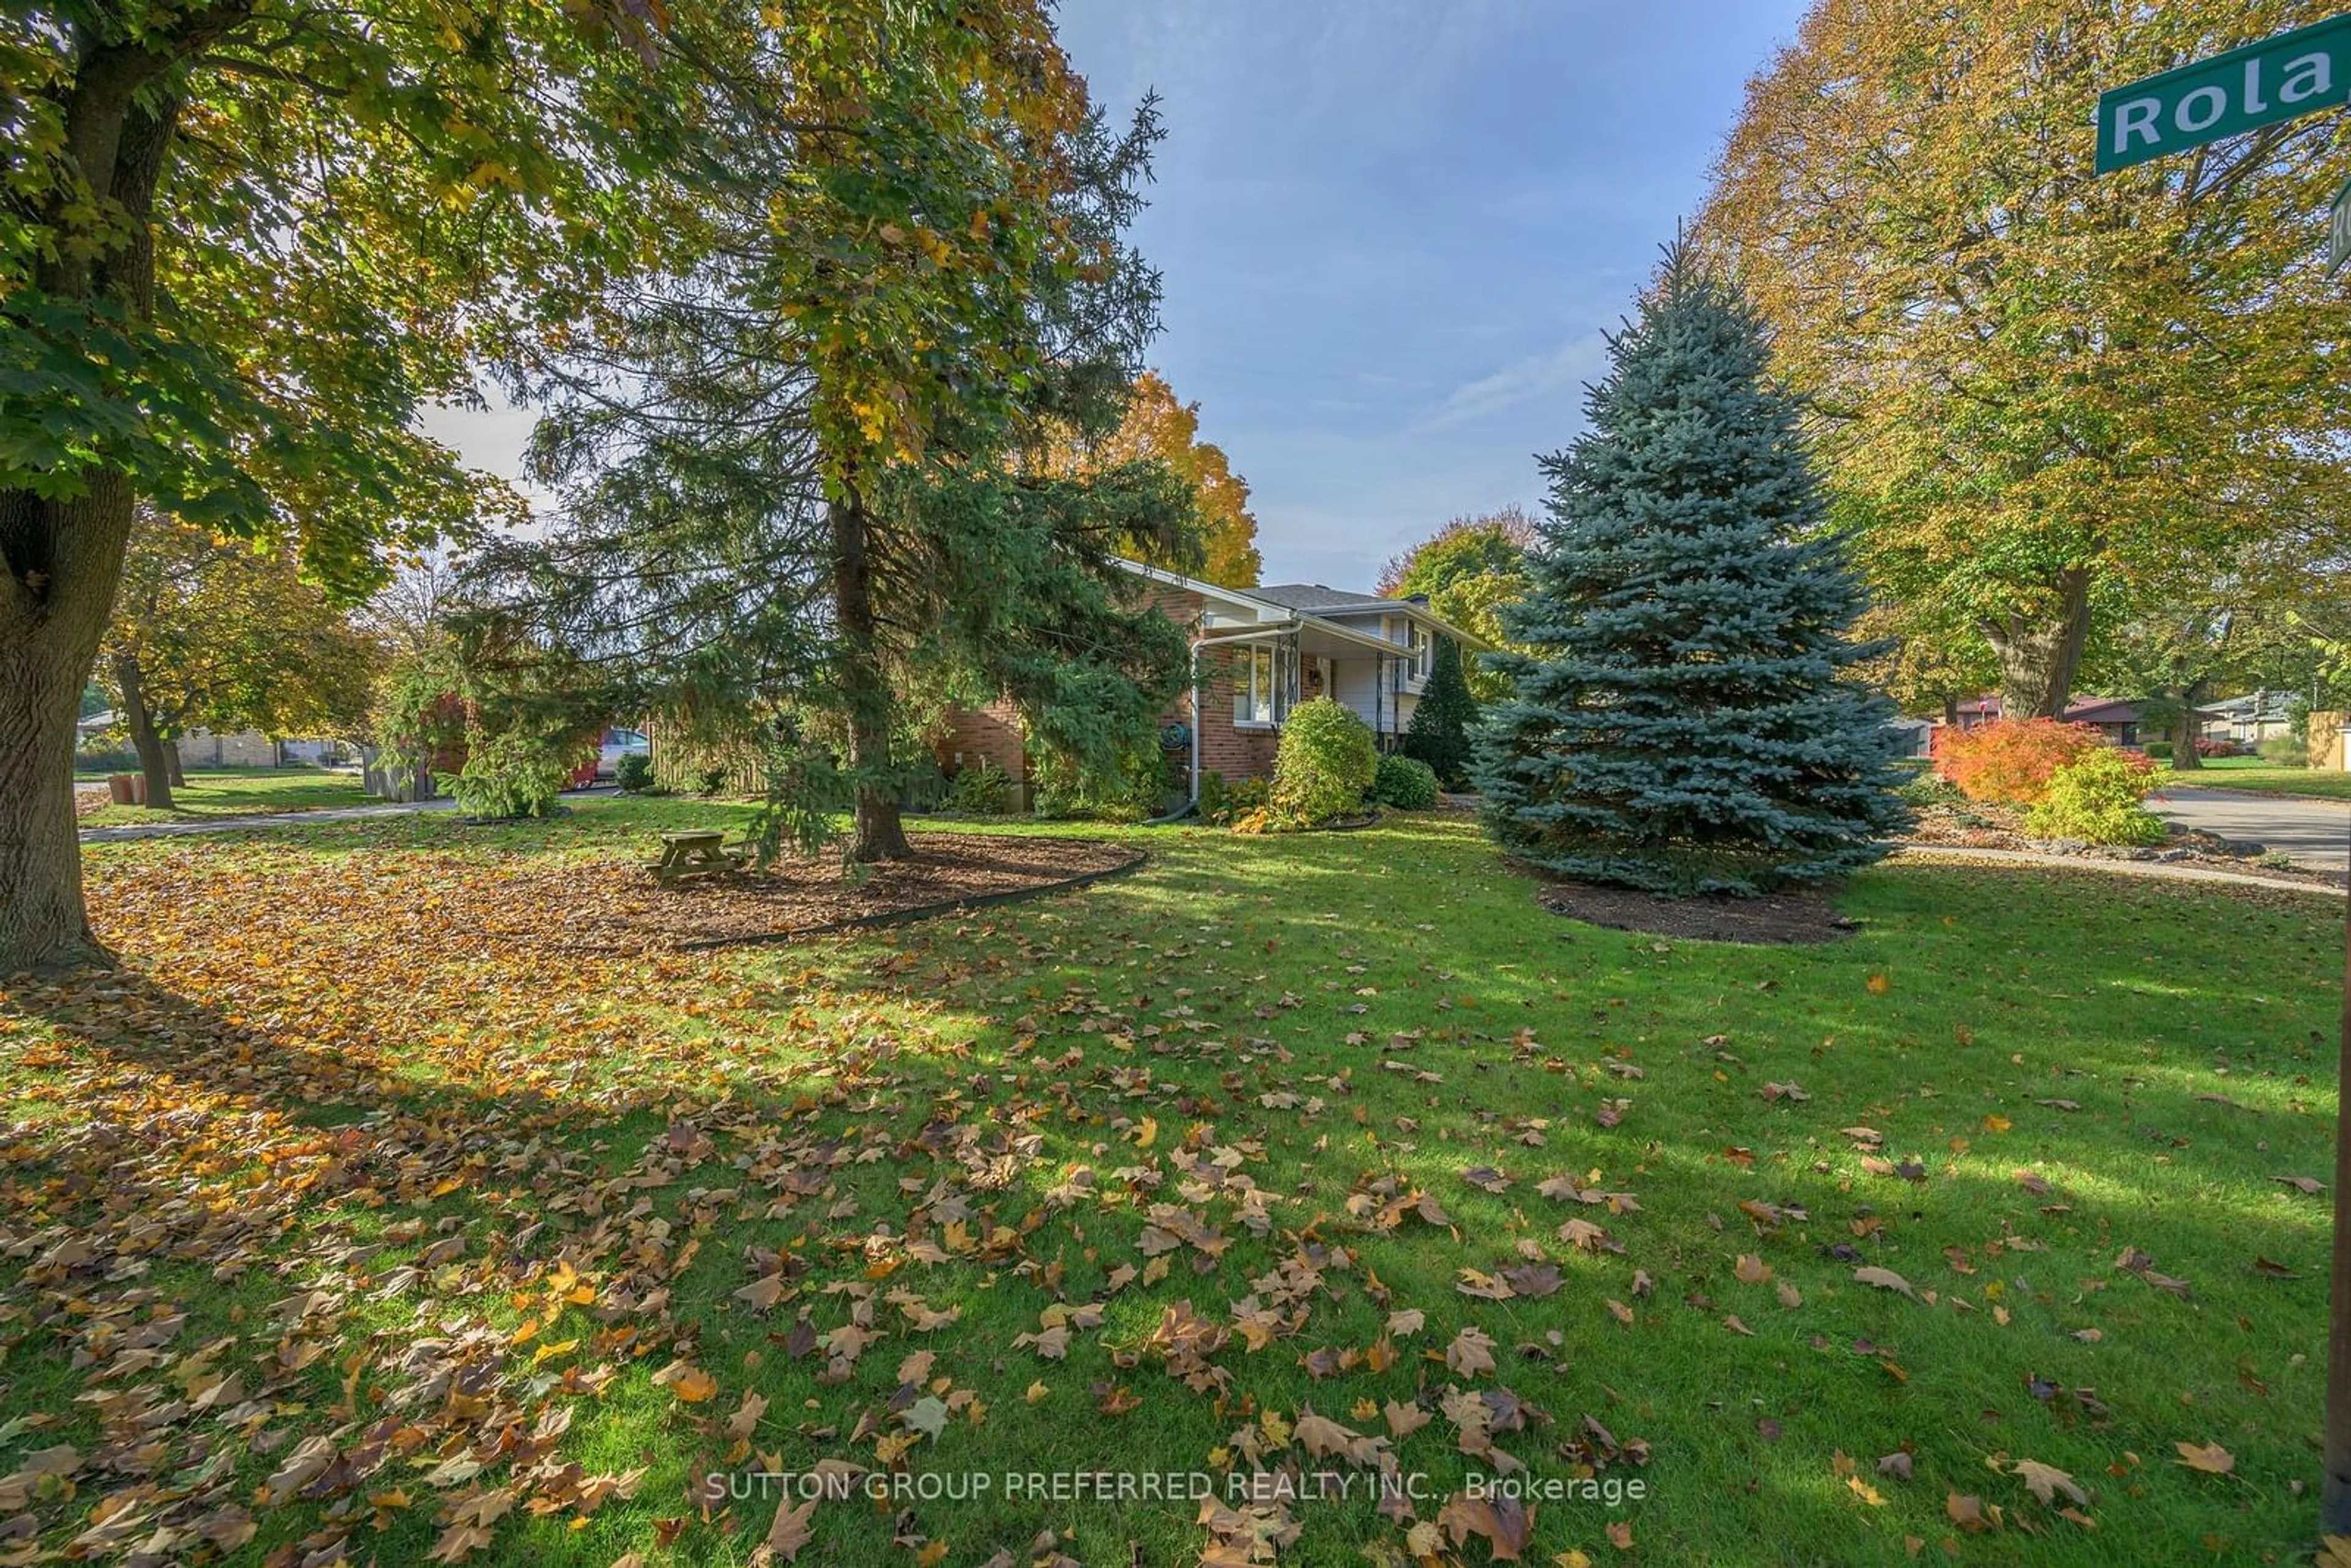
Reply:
x=1199, y=642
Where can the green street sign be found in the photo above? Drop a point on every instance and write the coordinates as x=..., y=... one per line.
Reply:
x=2338, y=231
x=2276, y=79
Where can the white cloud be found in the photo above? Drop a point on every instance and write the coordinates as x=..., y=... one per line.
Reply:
x=1575, y=361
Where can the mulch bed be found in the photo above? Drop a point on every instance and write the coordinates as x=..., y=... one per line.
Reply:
x=807, y=897
x=1771, y=919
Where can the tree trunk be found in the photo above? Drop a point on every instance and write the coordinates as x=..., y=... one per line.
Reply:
x=154, y=762
x=878, y=834
x=63, y=559
x=2184, y=731
x=43, y=923
x=49, y=631
x=1950, y=712
x=172, y=762
x=2039, y=655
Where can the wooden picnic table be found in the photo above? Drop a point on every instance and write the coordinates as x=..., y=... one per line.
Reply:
x=693, y=854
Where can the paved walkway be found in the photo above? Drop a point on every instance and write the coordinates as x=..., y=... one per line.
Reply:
x=284, y=818
x=2316, y=833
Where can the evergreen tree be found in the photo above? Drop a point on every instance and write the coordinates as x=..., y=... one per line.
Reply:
x=806, y=494
x=1447, y=713
x=1685, y=719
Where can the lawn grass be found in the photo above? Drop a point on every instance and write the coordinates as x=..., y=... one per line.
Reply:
x=238, y=792
x=2254, y=774
x=430, y=1195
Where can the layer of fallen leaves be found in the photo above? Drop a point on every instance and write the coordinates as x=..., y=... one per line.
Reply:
x=371, y=1177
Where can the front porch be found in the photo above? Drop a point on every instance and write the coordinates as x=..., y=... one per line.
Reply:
x=1245, y=683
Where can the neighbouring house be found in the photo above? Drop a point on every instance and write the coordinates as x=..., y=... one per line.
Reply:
x=2248, y=720
x=103, y=732
x=2117, y=717
x=1258, y=653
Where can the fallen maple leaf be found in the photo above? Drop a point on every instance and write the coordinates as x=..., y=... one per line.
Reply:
x=787, y=1535
x=2045, y=1481
x=1885, y=1280
x=1969, y=1513
x=1502, y=1521
x=1403, y=1419
x=1472, y=1353
x=688, y=1381
x=2211, y=1457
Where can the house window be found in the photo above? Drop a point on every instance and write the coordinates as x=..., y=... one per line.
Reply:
x=1265, y=688
x=1413, y=636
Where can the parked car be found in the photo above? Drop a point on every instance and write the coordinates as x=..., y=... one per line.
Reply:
x=620, y=743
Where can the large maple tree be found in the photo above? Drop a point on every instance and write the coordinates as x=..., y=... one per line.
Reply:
x=242, y=243
x=1160, y=427
x=2038, y=387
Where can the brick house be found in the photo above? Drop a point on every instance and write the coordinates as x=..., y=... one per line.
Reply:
x=1257, y=652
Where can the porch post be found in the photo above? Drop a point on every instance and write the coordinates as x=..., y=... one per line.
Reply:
x=1196, y=720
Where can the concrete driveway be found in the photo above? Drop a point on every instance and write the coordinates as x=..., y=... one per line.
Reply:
x=2317, y=833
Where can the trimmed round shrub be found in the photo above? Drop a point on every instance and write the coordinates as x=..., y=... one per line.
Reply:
x=1325, y=764
x=1405, y=782
x=2011, y=759
x=634, y=772
x=2095, y=798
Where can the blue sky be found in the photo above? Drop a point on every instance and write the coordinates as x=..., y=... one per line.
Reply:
x=1392, y=232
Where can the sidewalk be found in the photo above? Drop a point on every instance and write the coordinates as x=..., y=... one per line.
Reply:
x=290, y=818
x=263, y=820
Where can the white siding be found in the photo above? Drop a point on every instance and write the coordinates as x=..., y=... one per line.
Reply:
x=1352, y=683
x=1385, y=711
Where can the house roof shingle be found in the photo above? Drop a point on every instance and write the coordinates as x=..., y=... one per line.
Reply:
x=1315, y=598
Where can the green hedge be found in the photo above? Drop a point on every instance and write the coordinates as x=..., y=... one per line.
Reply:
x=1405, y=782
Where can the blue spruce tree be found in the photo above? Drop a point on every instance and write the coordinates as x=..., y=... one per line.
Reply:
x=1685, y=719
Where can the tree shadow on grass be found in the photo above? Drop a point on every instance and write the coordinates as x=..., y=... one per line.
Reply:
x=2067, y=981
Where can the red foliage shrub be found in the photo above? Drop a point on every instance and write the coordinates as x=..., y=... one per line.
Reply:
x=2207, y=746
x=2010, y=759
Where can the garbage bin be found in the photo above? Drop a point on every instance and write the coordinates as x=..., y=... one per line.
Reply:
x=126, y=789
